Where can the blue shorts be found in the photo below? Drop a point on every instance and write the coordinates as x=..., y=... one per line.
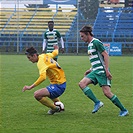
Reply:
x=56, y=90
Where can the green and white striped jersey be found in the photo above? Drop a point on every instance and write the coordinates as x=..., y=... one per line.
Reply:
x=95, y=48
x=52, y=39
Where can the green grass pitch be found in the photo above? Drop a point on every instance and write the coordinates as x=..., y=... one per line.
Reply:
x=21, y=113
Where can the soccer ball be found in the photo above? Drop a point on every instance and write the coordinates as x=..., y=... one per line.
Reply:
x=60, y=105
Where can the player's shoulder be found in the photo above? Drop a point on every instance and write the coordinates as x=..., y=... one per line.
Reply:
x=42, y=56
x=46, y=31
x=55, y=30
x=96, y=41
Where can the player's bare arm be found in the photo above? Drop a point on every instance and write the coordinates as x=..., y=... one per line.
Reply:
x=106, y=59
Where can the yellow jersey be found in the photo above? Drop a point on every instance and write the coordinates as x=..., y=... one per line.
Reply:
x=48, y=67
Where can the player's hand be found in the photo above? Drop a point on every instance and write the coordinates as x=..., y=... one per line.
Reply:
x=55, y=46
x=87, y=72
x=26, y=88
x=62, y=50
x=108, y=74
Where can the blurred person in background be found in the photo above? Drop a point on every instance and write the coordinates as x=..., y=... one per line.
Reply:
x=52, y=37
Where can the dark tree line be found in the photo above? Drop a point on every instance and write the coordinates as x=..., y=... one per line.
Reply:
x=89, y=8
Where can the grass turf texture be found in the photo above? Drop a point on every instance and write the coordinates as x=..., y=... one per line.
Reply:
x=20, y=112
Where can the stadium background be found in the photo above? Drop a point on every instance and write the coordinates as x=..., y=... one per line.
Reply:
x=21, y=27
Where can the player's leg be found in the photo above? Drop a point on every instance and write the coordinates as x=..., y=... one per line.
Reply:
x=41, y=95
x=115, y=100
x=83, y=84
x=55, y=91
x=105, y=83
x=56, y=99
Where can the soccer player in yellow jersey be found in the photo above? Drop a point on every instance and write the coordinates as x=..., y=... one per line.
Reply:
x=48, y=67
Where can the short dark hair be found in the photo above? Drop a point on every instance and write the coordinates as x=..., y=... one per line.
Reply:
x=31, y=51
x=85, y=29
x=51, y=22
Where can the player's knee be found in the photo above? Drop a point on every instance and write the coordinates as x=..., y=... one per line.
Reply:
x=81, y=85
x=37, y=95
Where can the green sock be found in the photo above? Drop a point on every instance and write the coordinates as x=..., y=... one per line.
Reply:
x=87, y=91
x=116, y=101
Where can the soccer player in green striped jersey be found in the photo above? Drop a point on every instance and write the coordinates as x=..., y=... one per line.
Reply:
x=52, y=37
x=99, y=72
